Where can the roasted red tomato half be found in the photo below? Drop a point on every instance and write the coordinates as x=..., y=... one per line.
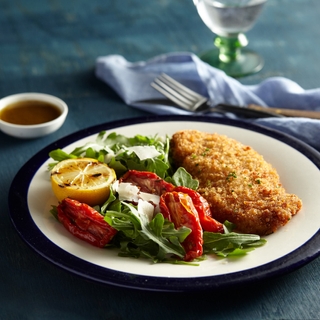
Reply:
x=201, y=204
x=85, y=223
x=178, y=208
x=148, y=182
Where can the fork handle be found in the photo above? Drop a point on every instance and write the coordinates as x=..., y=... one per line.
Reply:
x=243, y=111
x=288, y=112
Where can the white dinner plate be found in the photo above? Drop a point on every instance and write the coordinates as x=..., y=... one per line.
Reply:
x=295, y=244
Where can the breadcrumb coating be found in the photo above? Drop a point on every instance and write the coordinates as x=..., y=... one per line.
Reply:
x=238, y=183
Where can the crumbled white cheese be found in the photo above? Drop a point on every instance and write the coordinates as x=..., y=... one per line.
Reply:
x=149, y=197
x=146, y=208
x=128, y=192
x=131, y=193
x=144, y=152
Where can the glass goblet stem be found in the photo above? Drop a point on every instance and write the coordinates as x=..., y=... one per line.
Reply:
x=231, y=56
x=230, y=47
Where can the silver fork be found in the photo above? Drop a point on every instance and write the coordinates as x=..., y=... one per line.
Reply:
x=189, y=100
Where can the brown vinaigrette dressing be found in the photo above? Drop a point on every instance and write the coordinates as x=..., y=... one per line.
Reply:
x=29, y=112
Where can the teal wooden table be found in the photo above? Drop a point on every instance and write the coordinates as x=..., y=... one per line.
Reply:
x=51, y=46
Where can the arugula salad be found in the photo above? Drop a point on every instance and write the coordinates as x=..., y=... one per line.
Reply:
x=149, y=203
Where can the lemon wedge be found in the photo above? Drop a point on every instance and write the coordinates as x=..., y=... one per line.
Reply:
x=84, y=179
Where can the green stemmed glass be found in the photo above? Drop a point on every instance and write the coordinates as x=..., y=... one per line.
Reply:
x=229, y=20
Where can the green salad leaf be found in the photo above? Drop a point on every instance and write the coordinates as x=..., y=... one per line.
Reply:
x=183, y=178
x=230, y=244
x=140, y=153
x=121, y=153
x=138, y=237
x=159, y=240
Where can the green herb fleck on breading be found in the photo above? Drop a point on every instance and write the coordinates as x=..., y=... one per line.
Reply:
x=231, y=175
x=205, y=152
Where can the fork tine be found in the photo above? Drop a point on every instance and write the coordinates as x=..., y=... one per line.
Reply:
x=171, y=95
x=178, y=93
x=191, y=95
x=170, y=87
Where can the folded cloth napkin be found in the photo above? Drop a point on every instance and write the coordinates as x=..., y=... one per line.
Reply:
x=132, y=83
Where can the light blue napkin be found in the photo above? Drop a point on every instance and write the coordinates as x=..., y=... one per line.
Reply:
x=132, y=81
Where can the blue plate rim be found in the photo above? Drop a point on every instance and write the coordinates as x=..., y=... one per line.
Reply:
x=29, y=232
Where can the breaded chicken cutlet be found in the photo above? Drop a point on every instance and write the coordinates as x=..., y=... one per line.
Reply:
x=238, y=183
